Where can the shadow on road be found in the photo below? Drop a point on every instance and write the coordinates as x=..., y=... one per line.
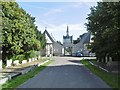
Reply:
x=74, y=61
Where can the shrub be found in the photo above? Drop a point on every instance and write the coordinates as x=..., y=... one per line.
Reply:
x=31, y=54
x=19, y=57
x=26, y=55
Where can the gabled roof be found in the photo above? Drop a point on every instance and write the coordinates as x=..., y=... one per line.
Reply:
x=84, y=38
x=87, y=40
x=46, y=32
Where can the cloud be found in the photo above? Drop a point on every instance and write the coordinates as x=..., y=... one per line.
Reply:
x=53, y=11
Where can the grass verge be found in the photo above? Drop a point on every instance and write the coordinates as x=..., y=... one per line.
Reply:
x=112, y=79
x=15, y=82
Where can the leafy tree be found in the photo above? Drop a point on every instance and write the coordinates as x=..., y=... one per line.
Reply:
x=19, y=31
x=103, y=22
x=41, y=38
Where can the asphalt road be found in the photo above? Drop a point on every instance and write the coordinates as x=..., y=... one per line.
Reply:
x=65, y=72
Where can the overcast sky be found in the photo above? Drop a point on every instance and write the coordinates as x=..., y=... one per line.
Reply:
x=57, y=15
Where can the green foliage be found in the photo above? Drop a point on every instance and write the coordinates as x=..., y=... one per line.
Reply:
x=41, y=38
x=26, y=55
x=103, y=23
x=18, y=57
x=19, y=32
x=31, y=54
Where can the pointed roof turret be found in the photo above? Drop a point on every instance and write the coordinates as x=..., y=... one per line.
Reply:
x=67, y=31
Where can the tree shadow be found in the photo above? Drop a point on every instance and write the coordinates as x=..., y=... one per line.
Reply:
x=74, y=61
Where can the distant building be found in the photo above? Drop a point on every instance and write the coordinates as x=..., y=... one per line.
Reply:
x=81, y=46
x=57, y=49
x=69, y=47
x=52, y=47
x=67, y=43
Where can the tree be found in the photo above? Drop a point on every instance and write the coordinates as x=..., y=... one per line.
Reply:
x=41, y=38
x=19, y=31
x=103, y=23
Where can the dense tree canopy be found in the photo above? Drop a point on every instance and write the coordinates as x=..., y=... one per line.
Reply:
x=103, y=23
x=20, y=34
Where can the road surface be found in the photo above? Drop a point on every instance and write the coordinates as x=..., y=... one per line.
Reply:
x=65, y=72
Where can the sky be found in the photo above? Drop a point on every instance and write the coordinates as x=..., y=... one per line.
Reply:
x=57, y=15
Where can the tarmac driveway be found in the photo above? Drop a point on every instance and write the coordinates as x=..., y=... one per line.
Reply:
x=65, y=72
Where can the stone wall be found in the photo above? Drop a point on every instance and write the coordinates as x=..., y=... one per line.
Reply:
x=57, y=49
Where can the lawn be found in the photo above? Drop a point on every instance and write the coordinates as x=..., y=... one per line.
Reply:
x=15, y=82
x=112, y=79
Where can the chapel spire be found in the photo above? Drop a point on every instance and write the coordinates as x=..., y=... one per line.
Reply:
x=67, y=31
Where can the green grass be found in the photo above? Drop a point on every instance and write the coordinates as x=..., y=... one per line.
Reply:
x=15, y=82
x=112, y=79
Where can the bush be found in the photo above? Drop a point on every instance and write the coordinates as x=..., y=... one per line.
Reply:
x=25, y=56
x=19, y=57
x=31, y=54
x=3, y=66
